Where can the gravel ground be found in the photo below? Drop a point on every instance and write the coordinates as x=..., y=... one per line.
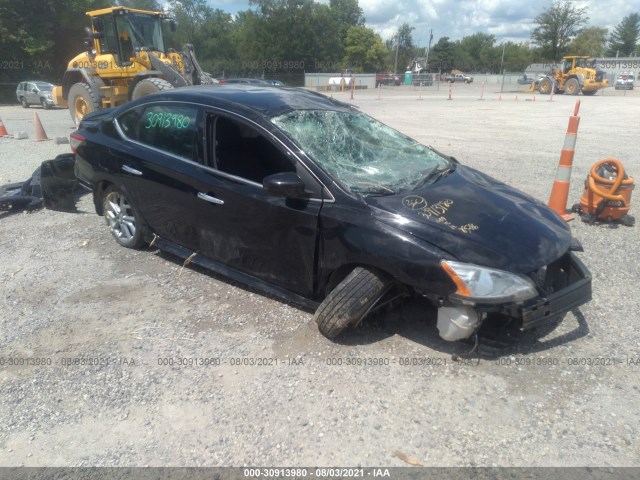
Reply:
x=270, y=392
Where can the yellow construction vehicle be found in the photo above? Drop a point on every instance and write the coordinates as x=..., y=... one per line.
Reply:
x=575, y=75
x=125, y=60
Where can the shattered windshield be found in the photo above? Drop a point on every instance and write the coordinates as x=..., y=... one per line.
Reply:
x=360, y=153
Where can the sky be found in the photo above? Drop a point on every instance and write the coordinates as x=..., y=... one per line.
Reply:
x=507, y=20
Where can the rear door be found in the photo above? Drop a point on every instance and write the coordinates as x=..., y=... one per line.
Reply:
x=160, y=168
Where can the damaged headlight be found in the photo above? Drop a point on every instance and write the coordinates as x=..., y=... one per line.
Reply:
x=477, y=284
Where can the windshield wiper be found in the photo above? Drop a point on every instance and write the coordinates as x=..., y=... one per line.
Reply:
x=434, y=175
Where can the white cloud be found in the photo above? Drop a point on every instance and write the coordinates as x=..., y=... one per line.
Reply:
x=508, y=20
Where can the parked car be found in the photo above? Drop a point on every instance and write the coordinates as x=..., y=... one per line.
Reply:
x=35, y=92
x=311, y=200
x=388, y=78
x=625, y=81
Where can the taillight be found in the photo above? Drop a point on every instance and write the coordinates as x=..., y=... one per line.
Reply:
x=75, y=139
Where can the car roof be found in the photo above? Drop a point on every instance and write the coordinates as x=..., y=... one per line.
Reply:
x=267, y=101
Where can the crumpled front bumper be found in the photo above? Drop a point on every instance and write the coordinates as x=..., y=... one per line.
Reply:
x=576, y=291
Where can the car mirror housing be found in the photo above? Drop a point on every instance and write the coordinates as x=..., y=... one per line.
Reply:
x=285, y=184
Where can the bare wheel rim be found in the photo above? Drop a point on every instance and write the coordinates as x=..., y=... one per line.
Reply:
x=119, y=215
x=80, y=107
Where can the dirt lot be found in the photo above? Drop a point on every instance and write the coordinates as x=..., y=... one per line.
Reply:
x=259, y=385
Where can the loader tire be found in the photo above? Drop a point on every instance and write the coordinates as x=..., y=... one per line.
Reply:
x=544, y=86
x=148, y=86
x=82, y=100
x=572, y=87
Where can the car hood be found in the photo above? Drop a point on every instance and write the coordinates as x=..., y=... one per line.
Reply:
x=479, y=220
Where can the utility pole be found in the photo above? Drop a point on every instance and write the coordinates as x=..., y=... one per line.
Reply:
x=395, y=67
x=502, y=67
x=429, y=49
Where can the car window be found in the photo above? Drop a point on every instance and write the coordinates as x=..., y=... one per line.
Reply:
x=169, y=127
x=243, y=151
x=128, y=122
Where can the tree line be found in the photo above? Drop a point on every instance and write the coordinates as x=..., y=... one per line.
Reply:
x=39, y=37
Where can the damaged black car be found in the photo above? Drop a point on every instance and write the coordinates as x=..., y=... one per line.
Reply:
x=309, y=199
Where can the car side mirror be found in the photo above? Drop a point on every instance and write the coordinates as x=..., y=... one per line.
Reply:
x=285, y=184
x=35, y=90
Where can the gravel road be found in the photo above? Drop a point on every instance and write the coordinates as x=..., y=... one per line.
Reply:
x=127, y=358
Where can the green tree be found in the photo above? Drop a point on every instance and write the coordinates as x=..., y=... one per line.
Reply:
x=442, y=54
x=364, y=49
x=401, y=47
x=219, y=52
x=190, y=16
x=474, y=51
x=625, y=37
x=42, y=36
x=591, y=41
x=557, y=25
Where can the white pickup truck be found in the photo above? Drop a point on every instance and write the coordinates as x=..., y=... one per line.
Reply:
x=458, y=77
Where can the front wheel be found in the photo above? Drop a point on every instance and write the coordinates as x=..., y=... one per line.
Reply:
x=544, y=86
x=24, y=103
x=122, y=218
x=572, y=87
x=148, y=86
x=44, y=104
x=349, y=302
x=82, y=100
x=589, y=93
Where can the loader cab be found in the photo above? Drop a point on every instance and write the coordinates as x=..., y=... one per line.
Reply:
x=123, y=32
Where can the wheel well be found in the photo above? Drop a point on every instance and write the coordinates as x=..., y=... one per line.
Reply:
x=98, y=193
x=70, y=78
x=341, y=273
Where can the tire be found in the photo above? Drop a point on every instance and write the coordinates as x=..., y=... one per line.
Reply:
x=572, y=87
x=82, y=100
x=24, y=102
x=349, y=302
x=544, y=86
x=589, y=93
x=122, y=218
x=148, y=86
x=45, y=105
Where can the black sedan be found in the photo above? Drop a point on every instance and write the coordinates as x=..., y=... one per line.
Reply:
x=308, y=199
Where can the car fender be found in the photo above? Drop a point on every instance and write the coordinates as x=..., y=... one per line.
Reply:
x=350, y=239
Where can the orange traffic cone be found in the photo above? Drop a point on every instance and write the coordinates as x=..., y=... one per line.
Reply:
x=3, y=130
x=500, y=98
x=516, y=98
x=560, y=190
x=40, y=133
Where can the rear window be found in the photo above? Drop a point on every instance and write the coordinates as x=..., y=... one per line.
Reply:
x=168, y=127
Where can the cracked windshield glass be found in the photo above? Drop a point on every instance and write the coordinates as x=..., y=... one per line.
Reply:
x=362, y=154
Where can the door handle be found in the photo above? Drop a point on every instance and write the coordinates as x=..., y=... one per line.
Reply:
x=133, y=171
x=210, y=199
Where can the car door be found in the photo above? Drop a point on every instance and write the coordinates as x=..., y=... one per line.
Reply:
x=32, y=97
x=159, y=167
x=240, y=224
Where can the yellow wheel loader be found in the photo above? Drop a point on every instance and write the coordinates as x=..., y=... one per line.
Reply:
x=575, y=75
x=125, y=60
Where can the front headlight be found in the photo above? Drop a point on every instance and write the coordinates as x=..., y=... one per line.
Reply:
x=478, y=284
